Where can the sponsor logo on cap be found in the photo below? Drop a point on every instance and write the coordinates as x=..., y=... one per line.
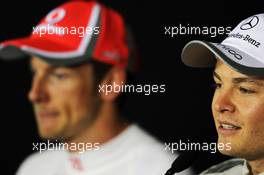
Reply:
x=246, y=38
x=55, y=16
x=231, y=52
x=50, y=23
x=250, y=23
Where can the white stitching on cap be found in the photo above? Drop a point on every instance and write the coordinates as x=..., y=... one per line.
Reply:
x=84, y=43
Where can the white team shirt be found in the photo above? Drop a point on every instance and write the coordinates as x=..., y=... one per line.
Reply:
x=132, y=152
x=230, y=167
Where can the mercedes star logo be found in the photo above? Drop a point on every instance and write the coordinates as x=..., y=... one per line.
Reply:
x=249, y=23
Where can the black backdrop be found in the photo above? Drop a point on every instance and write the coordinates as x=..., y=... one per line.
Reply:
x=182, y=112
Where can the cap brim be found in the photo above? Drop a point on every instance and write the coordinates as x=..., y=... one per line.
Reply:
x=204, y=54
x=56, y=54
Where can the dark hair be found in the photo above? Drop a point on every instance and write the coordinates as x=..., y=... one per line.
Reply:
x=99, y=71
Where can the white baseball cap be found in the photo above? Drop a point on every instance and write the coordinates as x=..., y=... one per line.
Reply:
x=242, y=50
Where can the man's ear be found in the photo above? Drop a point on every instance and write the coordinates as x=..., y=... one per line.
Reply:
x=112, y=84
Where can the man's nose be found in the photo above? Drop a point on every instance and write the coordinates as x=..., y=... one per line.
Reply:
x=37, y=92
x=223, y=102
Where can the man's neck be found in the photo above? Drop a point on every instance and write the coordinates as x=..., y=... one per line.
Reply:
x=107, y=125
x=256, y=166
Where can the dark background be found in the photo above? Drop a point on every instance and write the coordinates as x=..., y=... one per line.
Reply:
x=183, y=112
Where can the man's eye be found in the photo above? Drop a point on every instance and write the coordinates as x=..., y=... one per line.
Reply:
x=217, y=85
x=60, y=76
x=245, y=90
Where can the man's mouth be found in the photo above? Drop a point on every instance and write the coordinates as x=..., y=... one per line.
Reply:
x=228, y=128
x=47, y=114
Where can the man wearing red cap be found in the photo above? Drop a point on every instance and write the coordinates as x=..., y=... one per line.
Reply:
x=75, y=49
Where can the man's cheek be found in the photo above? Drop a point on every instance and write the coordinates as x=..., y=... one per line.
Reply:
x=255, y=127
x=254, y=116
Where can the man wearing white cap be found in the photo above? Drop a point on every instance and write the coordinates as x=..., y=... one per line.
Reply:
x=77, y=50
x=238, y=102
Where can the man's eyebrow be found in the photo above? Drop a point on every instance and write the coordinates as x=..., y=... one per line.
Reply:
x=256, y=80
x=32, y=69
x=216, y=75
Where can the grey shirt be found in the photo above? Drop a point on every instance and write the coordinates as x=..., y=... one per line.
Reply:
x=229, y=167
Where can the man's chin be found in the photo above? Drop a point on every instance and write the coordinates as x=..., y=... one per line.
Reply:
x=50, y=134
x=230, y=150
x=227, y=152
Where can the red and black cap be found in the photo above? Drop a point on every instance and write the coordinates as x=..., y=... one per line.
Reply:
x=74, y=33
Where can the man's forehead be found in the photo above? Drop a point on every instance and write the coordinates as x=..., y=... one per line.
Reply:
x=38, y=63
x=223, y=71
